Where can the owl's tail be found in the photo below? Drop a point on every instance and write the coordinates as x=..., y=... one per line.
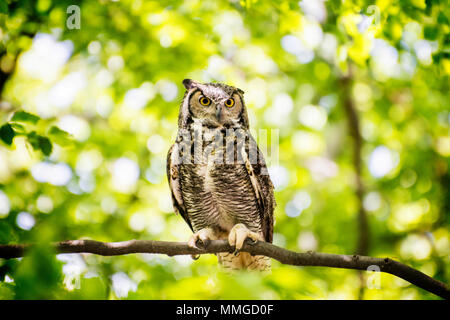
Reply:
x=244, y=260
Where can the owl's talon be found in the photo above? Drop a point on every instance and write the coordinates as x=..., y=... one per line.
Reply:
x=238, y=235
x=195, y=256
x=202, y=244
x=201, y=239
x=206, y=243
x=199, y=244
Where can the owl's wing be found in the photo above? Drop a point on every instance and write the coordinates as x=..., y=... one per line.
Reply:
x=173, y=175
x=263, y=187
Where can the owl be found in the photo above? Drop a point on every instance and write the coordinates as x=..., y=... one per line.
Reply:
x=217, y=174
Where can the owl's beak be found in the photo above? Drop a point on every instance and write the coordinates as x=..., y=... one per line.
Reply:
x=218, y=112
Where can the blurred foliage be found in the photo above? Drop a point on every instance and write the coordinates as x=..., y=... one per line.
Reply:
x=87, y=116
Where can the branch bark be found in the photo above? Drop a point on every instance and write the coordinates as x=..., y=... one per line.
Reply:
x=284, y=256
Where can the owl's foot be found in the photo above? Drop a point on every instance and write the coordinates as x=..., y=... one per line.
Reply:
x=201, y=238
x=238, y=234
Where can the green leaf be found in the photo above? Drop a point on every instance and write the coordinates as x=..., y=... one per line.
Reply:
x=39, y=142
x=7, y=133
x=22, y=116
x=7, y=234
x=45, y=145
x=430, y=32
x=38, y=276
x=6, y=291
x=442, y=18
x=3, y=7
x=18, y=128
x=33, y=140
x=59, y=136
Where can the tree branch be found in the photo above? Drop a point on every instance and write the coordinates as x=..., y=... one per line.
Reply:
x=259, y=248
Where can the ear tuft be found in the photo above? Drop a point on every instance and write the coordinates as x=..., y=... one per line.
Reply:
x=189, y=83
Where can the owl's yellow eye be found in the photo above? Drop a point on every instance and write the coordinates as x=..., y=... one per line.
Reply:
x=229, y=103
x=204, y=101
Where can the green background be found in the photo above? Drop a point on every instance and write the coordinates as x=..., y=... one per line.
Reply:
x=88, y=115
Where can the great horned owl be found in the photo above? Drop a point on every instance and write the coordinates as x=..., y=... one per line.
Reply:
x=217, y=174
